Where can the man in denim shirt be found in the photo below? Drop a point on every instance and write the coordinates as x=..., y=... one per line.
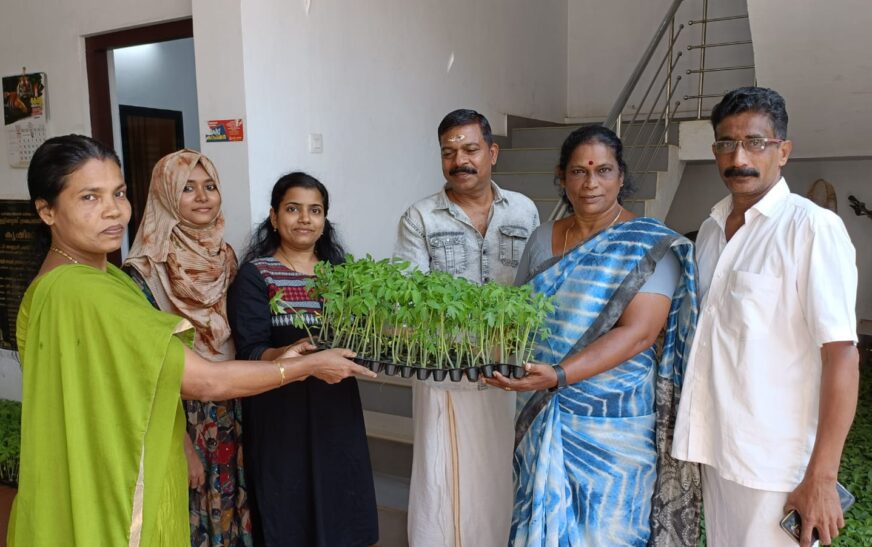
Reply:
x=461, y=487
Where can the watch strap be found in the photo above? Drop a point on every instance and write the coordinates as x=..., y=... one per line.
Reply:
x=561, y=378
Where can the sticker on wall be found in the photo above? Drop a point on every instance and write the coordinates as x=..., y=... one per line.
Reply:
x=225, y=131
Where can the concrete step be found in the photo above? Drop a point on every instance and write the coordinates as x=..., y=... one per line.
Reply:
x=544, y=160
x=392, y=498
x=391, y=491
x=388, y=427
x=545, y=207
x=533, y=185
x=386, y=397
x=635, y=206
x=553, y=137
x=392, y=528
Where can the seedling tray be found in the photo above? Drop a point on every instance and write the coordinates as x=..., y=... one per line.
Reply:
x=440, y=374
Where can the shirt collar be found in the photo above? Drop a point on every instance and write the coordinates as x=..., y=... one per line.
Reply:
x=767, y=206
x=442, y=201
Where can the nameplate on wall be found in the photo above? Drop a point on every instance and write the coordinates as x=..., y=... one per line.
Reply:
x=19, y=262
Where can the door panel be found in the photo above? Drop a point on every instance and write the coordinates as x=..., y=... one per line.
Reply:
x=147, y=135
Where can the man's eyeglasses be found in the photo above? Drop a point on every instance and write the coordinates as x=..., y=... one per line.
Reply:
x=757, y=144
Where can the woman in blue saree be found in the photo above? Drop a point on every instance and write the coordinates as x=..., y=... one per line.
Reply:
x=597, y=408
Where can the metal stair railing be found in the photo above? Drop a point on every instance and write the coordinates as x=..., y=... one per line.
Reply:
x=703, y=46
x=668, y=85
x=665, y=38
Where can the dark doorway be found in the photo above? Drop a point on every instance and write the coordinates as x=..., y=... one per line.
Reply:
x=147, y=135
x=96, y=49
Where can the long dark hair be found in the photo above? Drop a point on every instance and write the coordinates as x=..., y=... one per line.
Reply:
x=264, y=241
x=51, y=164
x=594, y=134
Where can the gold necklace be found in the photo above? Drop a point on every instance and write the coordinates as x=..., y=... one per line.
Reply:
x=566, y=233
x=63, y=254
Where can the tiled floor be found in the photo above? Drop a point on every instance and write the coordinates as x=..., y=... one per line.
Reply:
x=6, y=495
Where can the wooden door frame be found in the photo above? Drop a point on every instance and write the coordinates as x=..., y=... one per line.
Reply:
x=97, y=64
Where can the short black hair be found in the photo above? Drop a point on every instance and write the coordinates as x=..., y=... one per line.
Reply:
x=753, y=99
x=465, y=116
x=594, y=134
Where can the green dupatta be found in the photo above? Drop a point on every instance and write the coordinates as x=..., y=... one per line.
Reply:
x=102, y=459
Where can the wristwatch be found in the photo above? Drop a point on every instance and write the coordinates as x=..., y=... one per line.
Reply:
x=561, y=378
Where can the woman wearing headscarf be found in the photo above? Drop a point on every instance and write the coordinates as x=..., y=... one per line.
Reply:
x=184, y=266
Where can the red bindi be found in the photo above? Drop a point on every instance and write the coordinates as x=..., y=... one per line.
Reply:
x=590, y=163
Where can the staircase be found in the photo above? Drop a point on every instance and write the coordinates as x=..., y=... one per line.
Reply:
x=387, y=403
x=528, y=166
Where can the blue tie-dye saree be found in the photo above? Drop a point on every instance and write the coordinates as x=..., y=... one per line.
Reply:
x=592, y=464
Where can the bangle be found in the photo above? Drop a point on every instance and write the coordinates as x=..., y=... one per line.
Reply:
x=561, y=378
x=281, y=368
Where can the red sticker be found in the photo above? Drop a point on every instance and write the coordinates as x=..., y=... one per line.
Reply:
x=225, y=131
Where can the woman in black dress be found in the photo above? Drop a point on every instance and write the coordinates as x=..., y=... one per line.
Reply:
x=307, y=461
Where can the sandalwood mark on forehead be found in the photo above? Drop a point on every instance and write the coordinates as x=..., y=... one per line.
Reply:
x=456, y=138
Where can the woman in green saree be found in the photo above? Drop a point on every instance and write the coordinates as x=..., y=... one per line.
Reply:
x=102, y=459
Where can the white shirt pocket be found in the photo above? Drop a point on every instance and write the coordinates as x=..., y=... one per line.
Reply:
x=750, y=301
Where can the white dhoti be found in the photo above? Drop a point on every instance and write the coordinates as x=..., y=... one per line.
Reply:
x=461, y=491
x=738, y=516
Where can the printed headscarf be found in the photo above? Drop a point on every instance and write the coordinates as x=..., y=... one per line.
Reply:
x=188, y=268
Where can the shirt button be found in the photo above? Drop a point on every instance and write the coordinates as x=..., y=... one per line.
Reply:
x=484, y=252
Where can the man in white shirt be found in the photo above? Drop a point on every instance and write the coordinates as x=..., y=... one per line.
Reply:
x=771, y=384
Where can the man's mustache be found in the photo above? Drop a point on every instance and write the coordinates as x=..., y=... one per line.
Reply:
x=463, y=169
x=741, y=172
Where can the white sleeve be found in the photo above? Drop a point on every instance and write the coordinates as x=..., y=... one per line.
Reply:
x=827, y=281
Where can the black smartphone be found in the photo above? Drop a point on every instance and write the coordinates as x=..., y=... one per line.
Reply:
x=792, y=523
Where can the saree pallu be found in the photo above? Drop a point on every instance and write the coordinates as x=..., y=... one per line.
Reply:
x=592, y=464
x=102, y=463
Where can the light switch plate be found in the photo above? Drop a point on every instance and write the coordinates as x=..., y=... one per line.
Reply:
x=316, y=143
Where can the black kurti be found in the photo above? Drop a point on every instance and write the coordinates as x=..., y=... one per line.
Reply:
x=306, y=457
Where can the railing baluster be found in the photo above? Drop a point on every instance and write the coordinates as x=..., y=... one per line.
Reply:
x=702, y=59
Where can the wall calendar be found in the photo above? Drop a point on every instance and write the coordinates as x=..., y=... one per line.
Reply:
x=24, y=116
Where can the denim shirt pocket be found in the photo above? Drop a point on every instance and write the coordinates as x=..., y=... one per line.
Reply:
x=447, y=252
x=512, y=242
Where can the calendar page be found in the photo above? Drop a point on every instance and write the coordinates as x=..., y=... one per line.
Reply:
x=22, y=140
x=23, y=116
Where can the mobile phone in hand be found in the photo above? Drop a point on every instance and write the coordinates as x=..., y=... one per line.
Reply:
x=792, y=523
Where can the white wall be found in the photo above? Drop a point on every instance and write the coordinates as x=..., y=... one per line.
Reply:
x=163, y=76
x=607, y=39
x=48, y=37
x=373, y=78
x=59, y=51
x=817, y=55
x=701, y=188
